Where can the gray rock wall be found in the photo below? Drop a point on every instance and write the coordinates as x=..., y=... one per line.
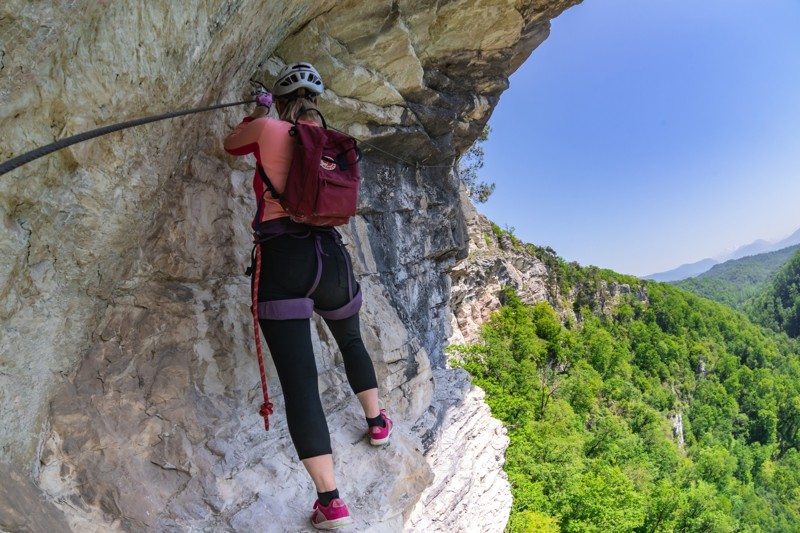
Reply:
x=128, y=382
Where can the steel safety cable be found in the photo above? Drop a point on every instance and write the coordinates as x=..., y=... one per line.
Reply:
x=415, y=165
x=27, y=157
x=42, y=151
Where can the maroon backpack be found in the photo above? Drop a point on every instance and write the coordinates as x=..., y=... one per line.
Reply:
x=322, y=185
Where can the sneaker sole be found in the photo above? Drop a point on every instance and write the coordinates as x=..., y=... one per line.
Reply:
x=334, y=524
x=380, y=442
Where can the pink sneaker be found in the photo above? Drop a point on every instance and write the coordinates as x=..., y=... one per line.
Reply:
x=378, y=436
x=332, y=516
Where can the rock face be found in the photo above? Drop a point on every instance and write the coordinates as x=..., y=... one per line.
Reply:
x=467, y=454
x=128, y=382
x=493, y=263
x=497, y=260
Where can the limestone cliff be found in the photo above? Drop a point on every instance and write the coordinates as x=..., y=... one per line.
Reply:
x=496, y=260
x=493, y=263
x=128, y=382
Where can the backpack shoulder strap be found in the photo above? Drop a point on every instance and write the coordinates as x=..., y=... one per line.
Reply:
x=270, y=188
x=312, y=110
x=267, y=182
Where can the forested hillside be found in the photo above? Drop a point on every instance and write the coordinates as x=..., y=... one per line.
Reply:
x=664, y=413
x=778, y=307
x=735, y=282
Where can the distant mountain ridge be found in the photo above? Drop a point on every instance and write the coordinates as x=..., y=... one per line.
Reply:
x=688, y=270
x=736, y=281
x=759, y=246
x=778, y=307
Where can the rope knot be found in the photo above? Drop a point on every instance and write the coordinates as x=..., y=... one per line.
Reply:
x=265, y=411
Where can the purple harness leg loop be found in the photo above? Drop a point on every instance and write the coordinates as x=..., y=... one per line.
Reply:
x=301, y=308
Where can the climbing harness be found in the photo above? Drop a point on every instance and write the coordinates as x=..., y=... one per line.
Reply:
x=294, y=308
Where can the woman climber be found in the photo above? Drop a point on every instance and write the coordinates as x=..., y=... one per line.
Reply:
x=300, y=262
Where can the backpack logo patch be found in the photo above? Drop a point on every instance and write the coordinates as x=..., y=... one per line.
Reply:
x=327, y=164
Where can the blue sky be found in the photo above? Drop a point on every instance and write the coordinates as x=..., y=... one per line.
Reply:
x=646, y=134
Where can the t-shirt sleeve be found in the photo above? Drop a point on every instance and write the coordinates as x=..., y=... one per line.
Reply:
x=243, y=139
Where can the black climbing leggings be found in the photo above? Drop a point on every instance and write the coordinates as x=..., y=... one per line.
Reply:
x=288, y=268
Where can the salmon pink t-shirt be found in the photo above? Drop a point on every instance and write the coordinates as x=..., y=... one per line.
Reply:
x=273, y=147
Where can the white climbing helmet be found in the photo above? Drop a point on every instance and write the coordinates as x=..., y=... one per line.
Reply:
x=298, y=76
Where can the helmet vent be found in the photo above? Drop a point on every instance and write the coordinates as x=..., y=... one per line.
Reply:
x=298, y=76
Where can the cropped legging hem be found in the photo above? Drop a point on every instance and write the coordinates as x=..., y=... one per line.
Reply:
x=290, y=345
x=288, y=269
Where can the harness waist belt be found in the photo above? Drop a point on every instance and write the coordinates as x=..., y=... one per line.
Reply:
x=299, y=308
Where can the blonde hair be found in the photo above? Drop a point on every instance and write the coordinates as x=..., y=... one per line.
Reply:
x=293, y=106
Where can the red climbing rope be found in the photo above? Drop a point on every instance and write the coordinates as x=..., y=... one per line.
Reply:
x=266, y=407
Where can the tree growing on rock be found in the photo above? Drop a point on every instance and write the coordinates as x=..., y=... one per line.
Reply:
x=468, y=166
